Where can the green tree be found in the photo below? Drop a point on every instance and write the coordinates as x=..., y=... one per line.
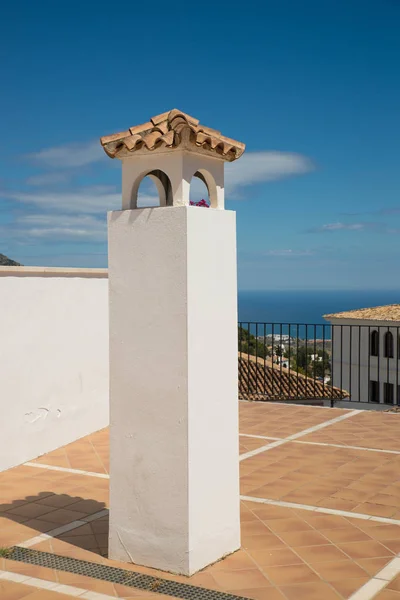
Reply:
x=308, y=361
x=249, y=344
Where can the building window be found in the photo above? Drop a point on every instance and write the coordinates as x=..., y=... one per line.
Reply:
x=388, y=393
x=374, y=391
x=374, y=343
x=388, y=345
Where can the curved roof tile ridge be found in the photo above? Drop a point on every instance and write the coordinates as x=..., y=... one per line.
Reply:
x=171, y=130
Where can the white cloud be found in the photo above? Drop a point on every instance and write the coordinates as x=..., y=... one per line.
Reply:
x=258, y=167
x=47, y=179
x=80, y=214
x=339, y=226
x=89, y=200
x=65, y=227
x=85, y=200
x=60, y=227
x=69, y=155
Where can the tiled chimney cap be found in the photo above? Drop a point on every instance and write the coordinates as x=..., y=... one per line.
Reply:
x=171, y=130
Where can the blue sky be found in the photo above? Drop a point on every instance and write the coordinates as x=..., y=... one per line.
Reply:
x=311, y=87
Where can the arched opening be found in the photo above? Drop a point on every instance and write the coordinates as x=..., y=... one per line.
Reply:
x=388, y=345
x=374, y=350
x=199, y=194
x=151, y=190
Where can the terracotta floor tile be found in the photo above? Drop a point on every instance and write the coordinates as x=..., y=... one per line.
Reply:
x=100, y=526
x=337, y=504
x=62, y=516
x=385, y=499
x=47, y=595
x=253, y=528
x=204, y=579
x=45, y=546
x=291, y=524
x=310, y=591
x=287, y=575
x=275, y=557
x=268, y=513
x=240, y=579
x=316, y=554
x=393, y=545
x=268, y=593
x=377, y=510
x=238, y=560
x=369, y=549
x=322, y=522
x=346, y=534
x=87, y=542
x=41, y=526
x=31, y=510
x=373, y=565
x=338, y=570
x=82, y=530
x=346, y=587
x=387, y=594
x=14, y=535
x=31, y=570
x=87, y=583
x=14, y=591
x=296, y=539
x=394, y=585
x=59, y=500
x=385, y=532
x=254, y=542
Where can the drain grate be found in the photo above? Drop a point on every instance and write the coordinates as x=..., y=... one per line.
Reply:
x=115, y=575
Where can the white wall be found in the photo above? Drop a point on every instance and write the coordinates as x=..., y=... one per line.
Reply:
x=352, y=366
x=53, y=359
x=174, y=464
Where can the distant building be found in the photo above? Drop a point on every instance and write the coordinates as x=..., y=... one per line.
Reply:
x=366, y=353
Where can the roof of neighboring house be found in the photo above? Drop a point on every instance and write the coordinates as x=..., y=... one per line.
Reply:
x=274, y=382
x=171, y=130
x=390, y=312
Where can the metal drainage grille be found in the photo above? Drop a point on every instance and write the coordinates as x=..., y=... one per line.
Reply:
x=115, y=575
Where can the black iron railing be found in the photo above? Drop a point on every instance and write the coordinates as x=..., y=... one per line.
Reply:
x=319, y=363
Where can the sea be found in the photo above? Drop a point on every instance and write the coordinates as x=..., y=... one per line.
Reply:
x=304, y=307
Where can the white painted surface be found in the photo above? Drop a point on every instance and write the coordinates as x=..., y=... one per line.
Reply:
x=54, y=586
x=179, y=166
x=53, y=359
x=353, y=368
x=174, y=479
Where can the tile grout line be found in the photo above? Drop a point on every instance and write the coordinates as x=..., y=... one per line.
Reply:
x=371, y=588
x=263, y=437
x=320, y=509
x=295, y=436
x=60, y=588
x=62, y=529
x=66, y=470
x=379, y=581
x=259, y=437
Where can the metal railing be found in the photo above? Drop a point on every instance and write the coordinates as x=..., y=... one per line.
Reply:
x=319, y=363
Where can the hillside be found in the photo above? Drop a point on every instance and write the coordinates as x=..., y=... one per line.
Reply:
x=7, y=262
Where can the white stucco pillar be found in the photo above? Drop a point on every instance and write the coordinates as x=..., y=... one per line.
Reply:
x=174, y=469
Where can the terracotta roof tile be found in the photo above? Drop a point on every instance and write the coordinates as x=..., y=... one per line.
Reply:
x=171, y=130
x=271, y=382
x=389, y=312
x=140, y=128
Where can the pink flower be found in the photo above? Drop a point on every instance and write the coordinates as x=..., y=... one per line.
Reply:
x=201, y=203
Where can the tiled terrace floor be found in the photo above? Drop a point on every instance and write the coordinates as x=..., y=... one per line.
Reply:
x=320, y=511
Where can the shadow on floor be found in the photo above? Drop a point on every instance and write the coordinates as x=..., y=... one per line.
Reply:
x=47, y=511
